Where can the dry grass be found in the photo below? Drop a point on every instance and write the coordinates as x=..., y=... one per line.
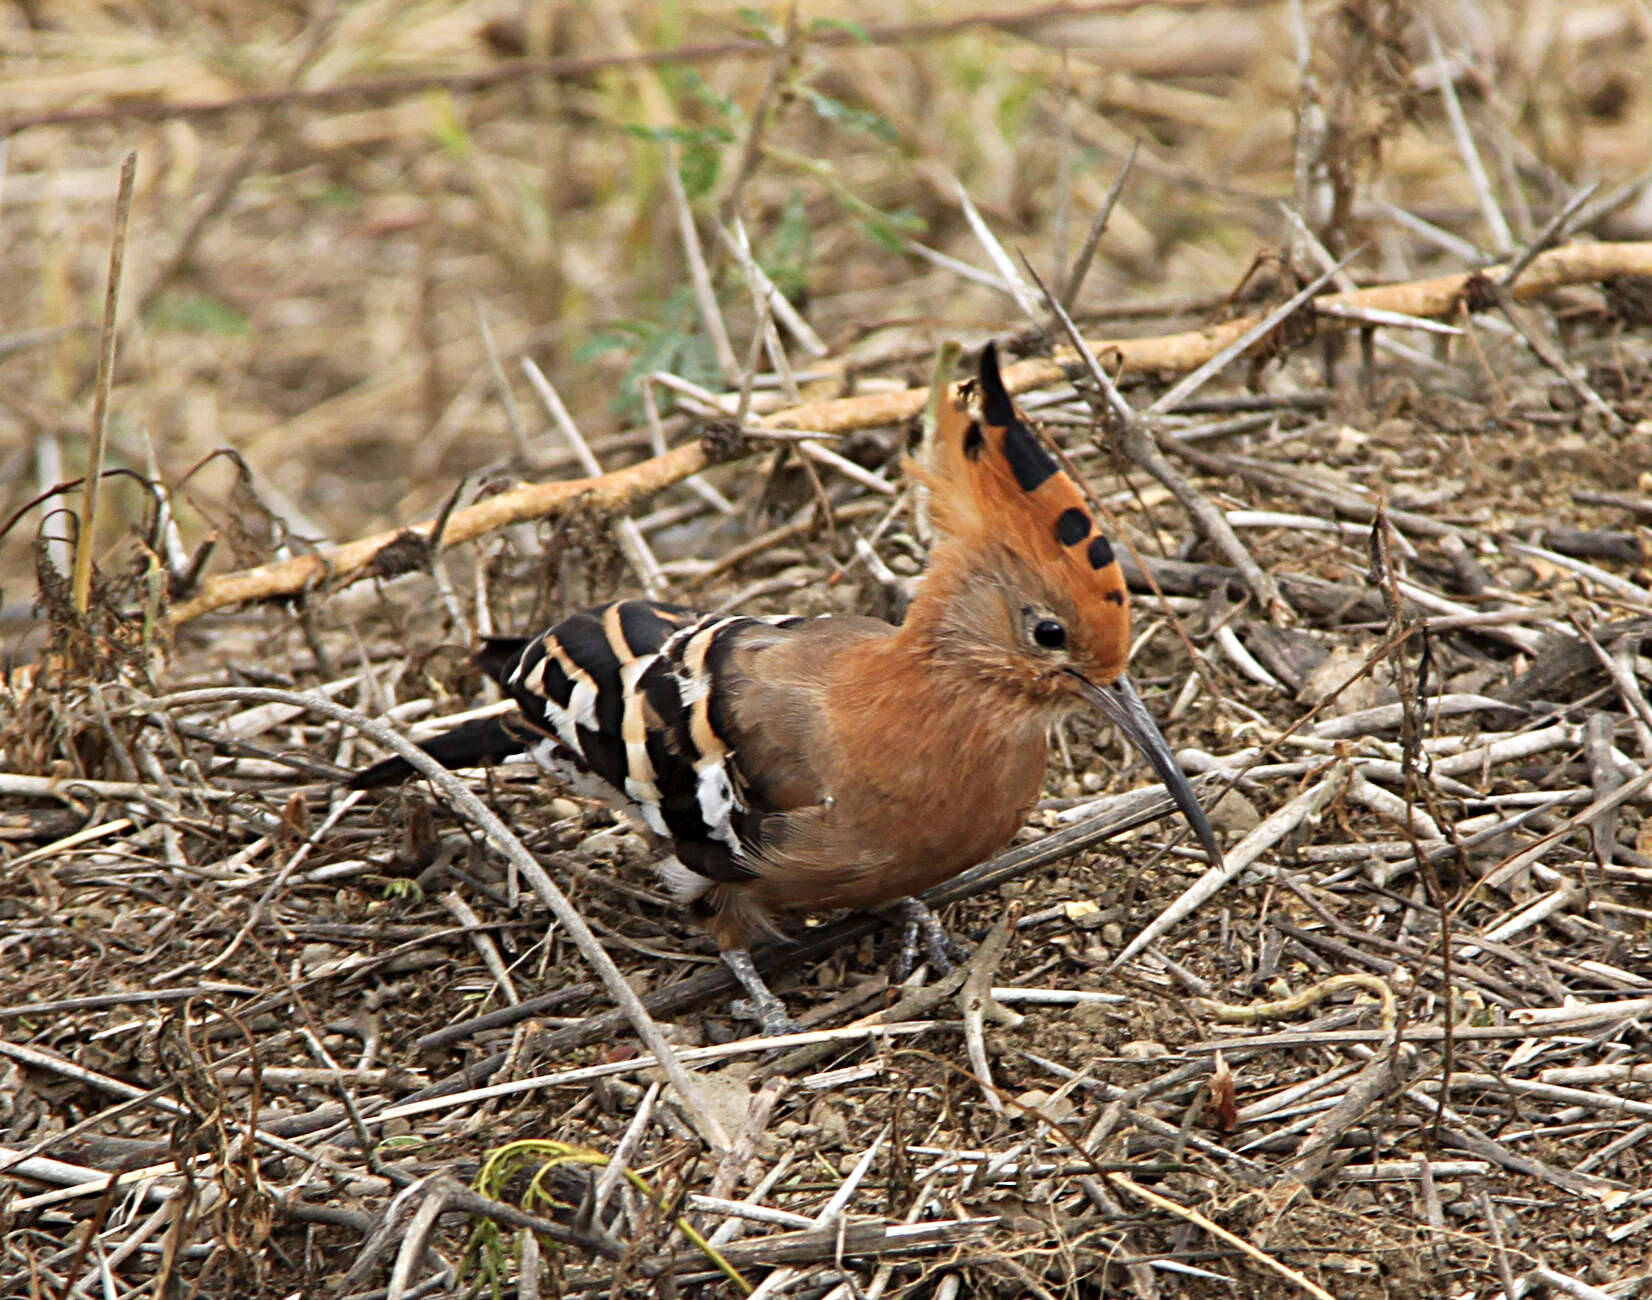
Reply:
x=325, y=202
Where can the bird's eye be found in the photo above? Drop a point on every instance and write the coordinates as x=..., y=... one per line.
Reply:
x=1049, y=634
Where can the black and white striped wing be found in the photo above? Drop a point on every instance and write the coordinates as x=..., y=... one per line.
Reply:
x=632, y=693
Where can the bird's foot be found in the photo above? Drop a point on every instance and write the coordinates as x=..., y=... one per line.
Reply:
x=760, y=1004
x=921, y=929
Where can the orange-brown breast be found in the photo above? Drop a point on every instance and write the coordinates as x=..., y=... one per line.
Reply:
x=923, y=774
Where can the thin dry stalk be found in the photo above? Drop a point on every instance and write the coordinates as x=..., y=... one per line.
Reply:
x=97, y=450
x=1098, y=227
x=1221, y=1234
x=1501, y=240
x=699, y=274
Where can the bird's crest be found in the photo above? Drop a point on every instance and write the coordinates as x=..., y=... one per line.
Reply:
x=991, y=480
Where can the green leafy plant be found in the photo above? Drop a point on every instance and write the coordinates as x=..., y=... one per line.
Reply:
x=672, y=342
x=786, y=254
x=196, y=313
x=699, y=152
x=859, y=120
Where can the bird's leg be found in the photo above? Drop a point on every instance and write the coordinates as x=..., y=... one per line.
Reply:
x=920, y=925
x=761, y=1004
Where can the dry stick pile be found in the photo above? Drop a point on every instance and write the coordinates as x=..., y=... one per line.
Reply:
x=1451, y=885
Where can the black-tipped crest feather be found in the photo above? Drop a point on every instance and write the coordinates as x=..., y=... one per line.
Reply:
x=995, y=398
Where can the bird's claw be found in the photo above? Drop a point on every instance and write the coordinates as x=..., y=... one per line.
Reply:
x=760, y=1003
x=922, y=930
x=771, y=1017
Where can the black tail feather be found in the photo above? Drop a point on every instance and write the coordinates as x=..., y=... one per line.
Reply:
x=499, y=654
x=471, y=744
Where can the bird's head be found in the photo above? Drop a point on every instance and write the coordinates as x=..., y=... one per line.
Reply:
x=1025, y=589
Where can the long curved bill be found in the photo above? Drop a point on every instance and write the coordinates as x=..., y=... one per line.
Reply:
x=1124, y=708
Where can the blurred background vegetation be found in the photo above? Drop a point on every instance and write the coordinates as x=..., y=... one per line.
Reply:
x=330, y=195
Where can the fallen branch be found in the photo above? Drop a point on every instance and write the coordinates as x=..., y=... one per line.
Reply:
x=615, y=491
x=1181, y=353
x=1170, y=354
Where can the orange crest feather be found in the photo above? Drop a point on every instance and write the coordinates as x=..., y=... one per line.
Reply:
x=991, y=480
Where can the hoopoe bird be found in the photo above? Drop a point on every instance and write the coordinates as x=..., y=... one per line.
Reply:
x=798, y=765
